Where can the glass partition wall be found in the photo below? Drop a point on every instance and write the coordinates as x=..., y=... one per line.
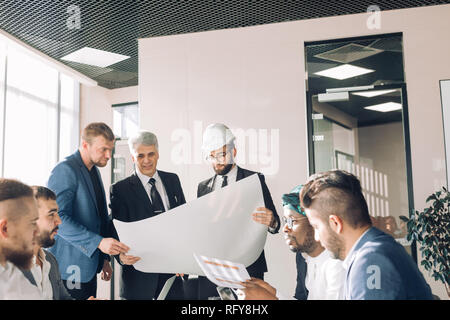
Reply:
x=358, y=122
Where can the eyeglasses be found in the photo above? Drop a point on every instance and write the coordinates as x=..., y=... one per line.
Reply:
x=219, y=157
x=290, y=222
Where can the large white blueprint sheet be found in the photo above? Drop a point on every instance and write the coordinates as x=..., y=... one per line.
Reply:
x=218, y=224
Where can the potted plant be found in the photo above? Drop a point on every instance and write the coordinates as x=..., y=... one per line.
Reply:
x=431, y=231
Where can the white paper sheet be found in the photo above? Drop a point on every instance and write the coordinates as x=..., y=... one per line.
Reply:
x=218, y=224
x=223, y=273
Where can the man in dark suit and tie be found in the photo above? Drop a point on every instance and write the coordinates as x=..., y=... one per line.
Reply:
x=145, y=194
x=218, y=144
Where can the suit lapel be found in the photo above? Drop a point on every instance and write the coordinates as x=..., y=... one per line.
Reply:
x=240, y=173
x=138, y=189
x=366, y=237
x=167, y=187
x=87, y=178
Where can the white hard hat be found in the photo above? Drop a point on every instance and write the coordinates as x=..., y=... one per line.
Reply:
x=216, y=135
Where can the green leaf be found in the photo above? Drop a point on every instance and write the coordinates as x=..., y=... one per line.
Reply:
x=404, y=219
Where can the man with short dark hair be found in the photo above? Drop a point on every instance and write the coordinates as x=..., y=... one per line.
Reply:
x=18, y=229
x=82, y=245
x=44, y=272
x=377, y=267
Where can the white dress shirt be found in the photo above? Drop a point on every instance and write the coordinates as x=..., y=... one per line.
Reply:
x=14, y=285
x=41, y=275
x=159, y=186
x=325, y=277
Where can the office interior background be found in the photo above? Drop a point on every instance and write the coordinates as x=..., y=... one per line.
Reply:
x=306, y=86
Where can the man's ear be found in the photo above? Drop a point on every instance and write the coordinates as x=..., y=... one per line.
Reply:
x=336, y=223
x=84, y=144
x=234, y=152
x=3, y=228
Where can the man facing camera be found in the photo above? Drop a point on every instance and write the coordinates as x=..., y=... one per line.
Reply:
x=219, y=146
x=145, y=194
x=18, y=230
x=377, y=267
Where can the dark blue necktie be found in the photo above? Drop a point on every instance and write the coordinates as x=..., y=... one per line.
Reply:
x=157, y=203
x=225, y=181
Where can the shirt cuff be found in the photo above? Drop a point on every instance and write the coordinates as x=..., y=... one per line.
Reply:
x=274, y=228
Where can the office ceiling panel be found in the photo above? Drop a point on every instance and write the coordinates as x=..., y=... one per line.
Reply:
x=115, y=26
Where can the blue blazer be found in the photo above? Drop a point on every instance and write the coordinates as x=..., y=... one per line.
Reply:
x=82, y=224
x=379, y=268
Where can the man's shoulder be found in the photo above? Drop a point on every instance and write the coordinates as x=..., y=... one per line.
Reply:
x=380, y=243
x=68, y=163
x=246, y=172
x=124, y=183
x=167, y=175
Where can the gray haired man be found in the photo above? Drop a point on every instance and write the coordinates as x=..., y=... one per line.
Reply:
x=145, y=194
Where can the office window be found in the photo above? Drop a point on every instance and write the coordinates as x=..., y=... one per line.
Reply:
x=39, y=115
x=2, y=98
x=31, y=118
x=69, y=116
x=125, y=119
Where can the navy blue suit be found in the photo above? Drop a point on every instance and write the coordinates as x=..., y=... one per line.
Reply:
x=129, y=203
x=83, y=226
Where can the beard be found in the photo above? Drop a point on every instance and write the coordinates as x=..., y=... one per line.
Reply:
x=335, y=245
x=307, y=246
x=44, y=239
x=225, y=169
x=21, y=258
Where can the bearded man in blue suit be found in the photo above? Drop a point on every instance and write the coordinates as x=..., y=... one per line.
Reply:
x=377, y=267
x=82, y=245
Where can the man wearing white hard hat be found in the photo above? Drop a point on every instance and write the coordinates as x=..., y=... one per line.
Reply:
x=220, y=150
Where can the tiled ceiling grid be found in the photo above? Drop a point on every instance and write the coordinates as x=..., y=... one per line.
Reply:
x=115, y=25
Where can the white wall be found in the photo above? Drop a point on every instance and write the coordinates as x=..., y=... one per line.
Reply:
x=255, y=78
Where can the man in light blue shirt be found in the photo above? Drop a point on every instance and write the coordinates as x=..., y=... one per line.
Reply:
x=377, y=267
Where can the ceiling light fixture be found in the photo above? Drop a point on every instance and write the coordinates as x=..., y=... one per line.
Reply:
x=371, y=94
x=385, y=107
x=94, y=57
x=343, y=72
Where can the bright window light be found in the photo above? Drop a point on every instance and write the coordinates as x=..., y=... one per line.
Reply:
x=385, y=107
x=344, y=71
x=370, y=94
x=94, y=57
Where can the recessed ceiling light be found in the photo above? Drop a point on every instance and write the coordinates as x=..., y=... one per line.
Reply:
x=344, y=71
x=370, y=94
x=94, y=57
x=385, y=107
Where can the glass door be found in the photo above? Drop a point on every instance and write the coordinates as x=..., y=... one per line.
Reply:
x=365, y=132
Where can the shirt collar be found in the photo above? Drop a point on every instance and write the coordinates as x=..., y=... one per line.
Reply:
x=231, y=174
x=144, y=178
x=348, y=259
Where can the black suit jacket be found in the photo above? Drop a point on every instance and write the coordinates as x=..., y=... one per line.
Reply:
x=129, y=203
x=257, y=269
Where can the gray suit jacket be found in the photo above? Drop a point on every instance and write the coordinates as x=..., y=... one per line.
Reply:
x=59, y=290
x=379, y=268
